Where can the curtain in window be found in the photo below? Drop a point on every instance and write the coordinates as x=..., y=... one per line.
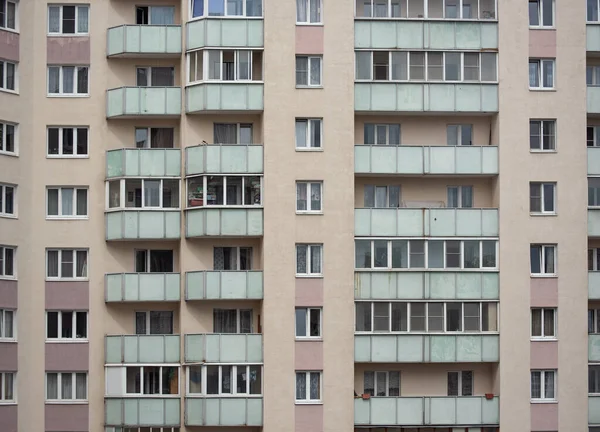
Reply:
x=140, y=323
x=536, y=385
x=66, y=385
x=161, y=322
x=548, y=322
x=81, y=202
x=549, y=385
x=536, y=322
x=549, y=260
x=8, y=386
x=301, y=196
x=68, y=82
x=66, y=264
x=195, y=379
x=162, y=77
x=82, y=80
x=315, y=385
x=67, y=201
x=301, y=7
x=315, y=71
x=54, y=19
x=162, y=137
x=225, y=133
x=380, y=383
x=8, y=324
x=380, y=196
x=162, y=15
x=467, y=196
x=301, y=131
x=81, y=263
x=301, y=71
x=53, y=263
x=83, y=19
x=80, y=386
x=52, y=386
x=300, y=383
x=315, y=259
x=315, y=197
x=255, y=379
x=315, y=11
x=141, y=138
x=394, y=387
x=548, y=70
x=219, y=258
x=315, y=131
x=534, y=79
x=369, y=383
x=452, y=383
x=452, y=135
x=301, y=251
x=467, y=383
x=197, y=8
x=225, y=321
x=53, y=79
x=246, y=321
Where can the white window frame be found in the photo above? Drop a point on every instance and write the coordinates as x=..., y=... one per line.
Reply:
x=75, y=277
x=308, y=15
x=225, y=14
x=543, y=374
x=150, y=395
x=459, y=195
x=60, y=154
x=594, y=314
x=388, y=189
x=4, y=83
x=386, y=385
x=74, y=203
x=238, y=319
x=543, y=248
x=73, y=326
x=220, y=394
x=308, y=400
x=596, y=380
x=4, y=24
x=309, y=209
x=3, y=320
x=123, y=194
x=595, y=259
x=60, y=20
x=587, y=17
x=459, y=392
x=386, y=126
x=148, y=315
x=541, y=148
x=309, y=60
x=540, y=69
x=3, y=399
x=425, y=14
x=60, y=81
x=308, y=311
x=71, y=399
x=459, y=134
x=309, y=145
x=309, y=247
x=540, y=13
x=3, y=212
x=206, y=65
x=3, y=135
x=543, y=312
x=238, y=257
x=596, y=136
x=542, y=187
x=3, y=265
x=205, y=192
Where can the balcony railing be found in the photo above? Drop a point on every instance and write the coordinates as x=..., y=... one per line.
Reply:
x=132, y=102
x=594, y=347
x=593, y=100
x=594, y=285
x=143, y=225
x=225, y=32
x=142, y=349
x=155, y=162
x=594, y=222
x=136, y=40
x=223, y=348
x=224, y=285
x=594, y=409
x=142, y=411
x=142, y=287
x=224, y=222
x=219, y=97
x=224, y=411
x=224, y=159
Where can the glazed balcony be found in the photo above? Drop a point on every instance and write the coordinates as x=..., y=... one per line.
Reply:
x=223, y=222
x=225, y=32
x=224, y=97
x=135, y=411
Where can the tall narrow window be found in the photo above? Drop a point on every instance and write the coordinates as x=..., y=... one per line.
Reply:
x=8, y=198
x=8, y=324
x=8, y=140
x=593, y=381
x=7, y=384
x=7, y=262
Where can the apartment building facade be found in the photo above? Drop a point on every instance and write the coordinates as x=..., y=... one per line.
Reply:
x=299, y=215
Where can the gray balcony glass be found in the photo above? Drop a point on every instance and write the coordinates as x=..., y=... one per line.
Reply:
x=141, y=287
x=137, y=40
x=136, y=102
x=223, y=348
x=224, y=285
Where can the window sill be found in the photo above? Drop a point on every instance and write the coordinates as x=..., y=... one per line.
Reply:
x=8, y=341
x=67, y=157
x=309, y=213
x=8, y=216
x=541, y=89
x=9, y=278
x=308, y=24
x=232, y=17
x=543, y=214
x=420, y=81
x=235, y=207
x=226, y=396
x=543, y=339
x=67, y=341
x=308, y=402
x=10, y=154
x=68, y=35
x=8, y=403
x=542, y=28
x=542, y=276
x=66, y=402
x=309, y=276
x=145, y=396
x=67, y=96
x=424, y=333
x=309, y=339
x=542, y=401
x=67, y=279
x=543, y=151
x=66, y=218
x=14, y=92
x=305, y=87
x=309, y=149
x=120, y=209
x=236, y=82
x=452, y=270
x=9, y=30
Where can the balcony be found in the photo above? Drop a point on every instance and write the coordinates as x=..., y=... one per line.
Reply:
x=143, y=102
x=223, y=348
x=594, y=347
x=222, y=158
x=594, y=285
x=138, y=41
x=419, y=160
x=593, y=161
x=593, y=100
x=594, y=409
x=219, y=97
x=433, y=348
x=422, y=222
x=142, y=287
x=425, y=35
x=594, y=222
x=223, y=32
x=426, y=285
x=142, y=411
x=143, y=163
x=143, y=225
x=142, y=349
x=390, y=97
x=426, y=411
x=593, y=39
x=224, y=411
x=224, y=285
x=223, y=222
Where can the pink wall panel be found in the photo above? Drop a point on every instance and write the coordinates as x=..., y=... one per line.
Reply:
x=9, y=45
x=544, y=292
x=309, y=40
x=542, y=43
x=67, y=357
x=68, y=50
x=544, y=417
x=8, y=418
x=544, y=355
x=8, y=294
x=308, y=355
x=309, y=292
x=309, y=418
x=67, y=295
x=67, y=418
x=9, y=358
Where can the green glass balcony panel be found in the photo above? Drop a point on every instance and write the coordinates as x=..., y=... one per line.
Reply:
x=418, y=160
x=224, y=222
x=136, y=40
x=142, y=287
x=224, y=411
x=439, y=222
x=594, y=347
x=405, y=285
x=594, y=222
x=425, y=35
x=593, y=39
x=223, y=348
x=428, y=97
x=594, y=409
x=142, y=411
x=224, y=285
x=429, y=348
x=225, y=32
x=143, y=225
x=143, y=163
x=142, y=349
x=224, y=159
x=134, y=102
x=593, y=160
x=594, y=285
x=224, y=97
x=426, y=411
x=593, y=100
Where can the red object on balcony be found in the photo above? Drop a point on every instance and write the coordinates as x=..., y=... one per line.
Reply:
x=489, y=395
x=366, y=396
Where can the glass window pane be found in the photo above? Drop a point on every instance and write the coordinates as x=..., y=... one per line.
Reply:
x=399, y=254
x=452, y=66
x=363, y=253
x=301, y=322
x=381, y=253
x=435, y=254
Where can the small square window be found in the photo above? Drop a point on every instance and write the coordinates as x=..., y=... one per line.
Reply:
x=542, y=135
x=308, y=12
x=543, y=323
x=541, y=13
x=543, y=260
x=309, y=197
x=542, y=198
x=309, y=133
x=308, y=71
x=541, y=74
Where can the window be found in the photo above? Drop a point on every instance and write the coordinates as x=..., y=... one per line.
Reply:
x=593, y=191
x=232, y=321
x=308, y=386
x=382, y=196
x=233, y=133
x=460, y=197
x=543, y=323
x=459, y=135
x=309, y=133
x=151, y=380
x=66, y=386
x=241, y=8
x=67, y=141
x=155, y=15
x=154, y=322
x=382, y=383
x=7, y=383
x=8, y=137
x=66, y=325
x=8, y=324
x=542, y=135
x=68, y=20
x=225, y=65
x=143, y=193
x=8, y=14
x=593, y=136
x=155, y=76
x=543, y=385
x=66, y=263
x=382, y=134
x=8, y=75
x=68, y=80
x=541, y=74
x=542, y=197
x=438, y=9
x=154, y=138
x=425, y=254
x=308, y=322
x=232, y=258
x=592, y=12
x=216, y=380
x=153, y=261
x=308, y=71
x=460, y=383
x=309, y=259
x=308, y=12
x=593, y=321
x=432, y=317
x=312, y=205
x=8, y=198
x=592, y=75
x=7, y=262
x=541, y=13
x=594, y=259
x=224, y=191
x=543, y=260
x=67, y=202
x=593, y=379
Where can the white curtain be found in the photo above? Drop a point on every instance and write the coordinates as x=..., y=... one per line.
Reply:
x=8, y=386
x=315, y=197
x=53, y=263
x=225, y=321
x=315, y=259
x=300, y=385
x=162, y=15
x=301, y=199
x=54, y=19
x=52, y=386
x=66, y=384
x=315, y=11
x=369, y=383
x=301, y=251
x=8, y=324
x=81, y=265
x=140, y=323
x=68, y=73
x=67, y=201
x=301, y=70
x=83, y=19
x=315, y=385
x=301, y=6
x=315, y=71
x=301, y=130
x=161, y=322
x=81, y=386
x=53, y=79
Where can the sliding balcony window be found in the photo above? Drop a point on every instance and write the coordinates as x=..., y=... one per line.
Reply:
x=309, y=197
x=382, y=383
x=8, y=200
x=593, y=191
x=66, y=203
x=155, y=15
x=224, y=65
x=426, y=317
x=8, y=138
x=9, y=14
x=309, y=71
x=151, y=380
x=67, y=142
x=542, y=198
x=207, y=191
x=593, y=136
x=68, y=81
x=308, y=323
x=426, y=254
x=225, y=8
x=8, y=325
x=224, y=380
x=382, y=196
x=68, y=20
x=309, y=133
x=309, y=259
x=66, y=264
x=232, y=258
x=542, y=135
x=309, y=387
x=232, y=321
x=460, y=197
x=402, y=66
x=541, y=74
x=594, y=259
x=232, y=133
x=541, y=13
x=594, y=379
x=66, y=387
x=459, y=135
x=155, y=76
x=66, y=326
x=460, y=383
x=155, y=194
x=594, y=321
x=153, y=261
x=543, y=385
x=382, y=134
x=146, y=138
x=7, y=262
x=8, y=76
x=543, y=323
x=154, y=323
x=543, y=260
x=436, y=9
